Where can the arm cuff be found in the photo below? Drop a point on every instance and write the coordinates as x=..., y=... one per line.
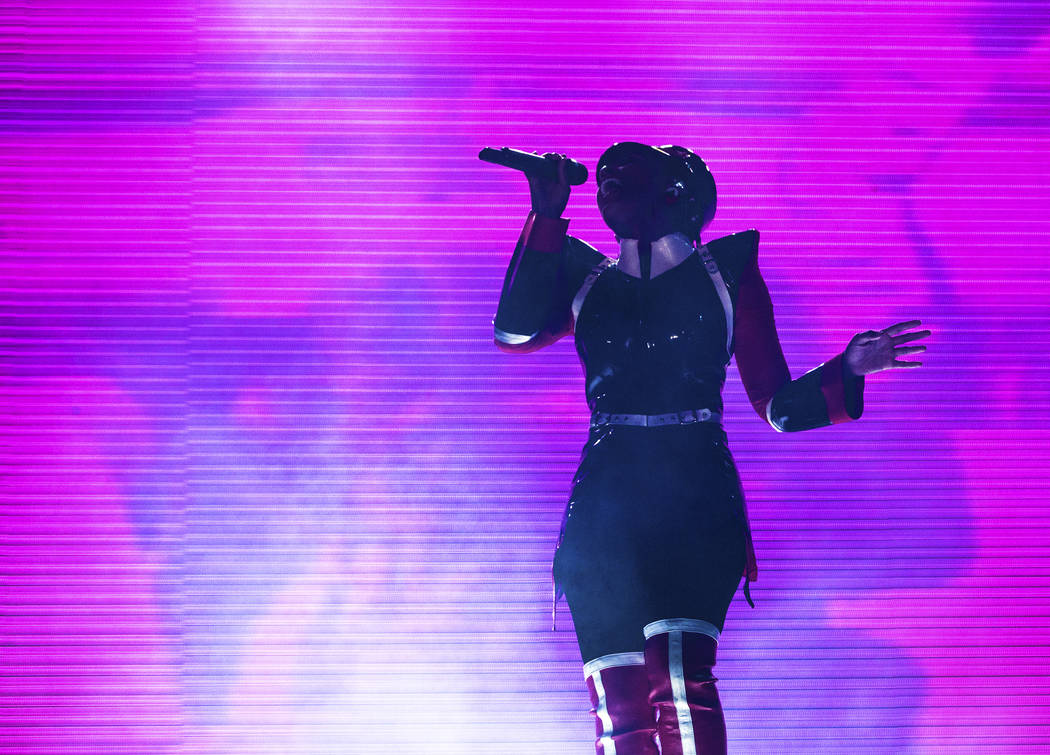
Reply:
x=512, y=339
x=843, y=393
x=544, y=234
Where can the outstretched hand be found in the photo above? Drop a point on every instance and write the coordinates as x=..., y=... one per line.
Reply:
x=876, y=350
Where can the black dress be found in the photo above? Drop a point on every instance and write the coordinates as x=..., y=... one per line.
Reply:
x=655, y=526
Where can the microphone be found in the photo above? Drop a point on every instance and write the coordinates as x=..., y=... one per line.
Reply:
x=530, y=164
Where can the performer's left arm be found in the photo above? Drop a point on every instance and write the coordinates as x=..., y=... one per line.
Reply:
x=831, y=393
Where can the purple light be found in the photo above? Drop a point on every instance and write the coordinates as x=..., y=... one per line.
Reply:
x=269, y=486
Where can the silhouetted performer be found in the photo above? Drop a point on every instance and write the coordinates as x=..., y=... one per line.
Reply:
x=656, y=535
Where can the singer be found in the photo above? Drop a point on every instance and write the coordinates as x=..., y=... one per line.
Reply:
x=656, y=535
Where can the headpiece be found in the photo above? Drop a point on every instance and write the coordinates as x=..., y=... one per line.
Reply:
x=694, y=180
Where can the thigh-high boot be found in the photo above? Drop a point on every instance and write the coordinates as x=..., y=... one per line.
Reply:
x=619, y=688
x=679, y=656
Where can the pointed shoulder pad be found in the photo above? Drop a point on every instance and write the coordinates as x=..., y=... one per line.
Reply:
x=736, y=245
x=735, y=252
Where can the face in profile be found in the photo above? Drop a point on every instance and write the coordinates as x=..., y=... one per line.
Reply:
x=640, y=192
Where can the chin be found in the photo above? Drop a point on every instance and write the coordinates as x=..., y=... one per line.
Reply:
x=625, y=228
x=624, y=232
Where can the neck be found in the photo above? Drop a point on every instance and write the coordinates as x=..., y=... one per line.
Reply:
x=667, y=252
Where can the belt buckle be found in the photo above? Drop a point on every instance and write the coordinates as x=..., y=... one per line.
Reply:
x=687, y=417
x=704, y=414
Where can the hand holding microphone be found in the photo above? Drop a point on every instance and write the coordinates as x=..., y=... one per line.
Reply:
x=549, y=175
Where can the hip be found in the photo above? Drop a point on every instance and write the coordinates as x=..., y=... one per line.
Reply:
x=655, y=479
x=655, y=457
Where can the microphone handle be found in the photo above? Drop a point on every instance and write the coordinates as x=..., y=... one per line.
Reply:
x=526, y=162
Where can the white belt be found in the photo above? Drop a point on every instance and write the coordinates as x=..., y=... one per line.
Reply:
x=687, y=417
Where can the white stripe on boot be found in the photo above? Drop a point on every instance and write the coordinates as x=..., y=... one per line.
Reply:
x=619, y=689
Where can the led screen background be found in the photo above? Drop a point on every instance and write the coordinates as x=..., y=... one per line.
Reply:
x=270, y=488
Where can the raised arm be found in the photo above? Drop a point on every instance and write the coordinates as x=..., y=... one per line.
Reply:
x=827, y=394
x=527, y=316
x=546, y=270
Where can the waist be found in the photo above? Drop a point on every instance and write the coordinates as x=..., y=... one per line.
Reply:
x=684, y=417
x=651, y=394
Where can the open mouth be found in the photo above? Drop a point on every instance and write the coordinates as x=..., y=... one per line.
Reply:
x=610, y=190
